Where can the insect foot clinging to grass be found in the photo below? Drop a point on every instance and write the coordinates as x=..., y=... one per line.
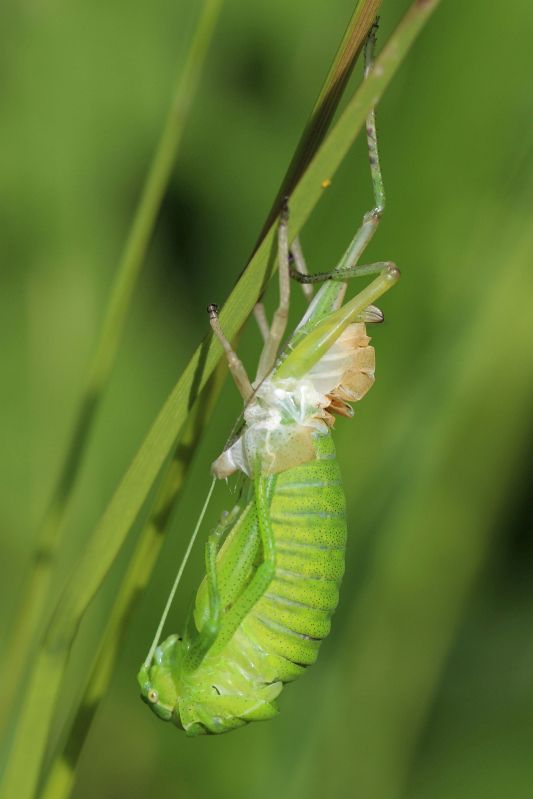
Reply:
x=275, y=562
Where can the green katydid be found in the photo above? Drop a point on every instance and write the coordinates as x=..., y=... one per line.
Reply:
x=274, y=564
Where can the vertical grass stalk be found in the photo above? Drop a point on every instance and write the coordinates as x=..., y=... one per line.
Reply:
x=29, y=615
x=62, y=772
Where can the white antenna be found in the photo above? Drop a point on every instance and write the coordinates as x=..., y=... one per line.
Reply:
x=170, y=599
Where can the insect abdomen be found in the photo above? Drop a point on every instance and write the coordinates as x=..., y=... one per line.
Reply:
x=309, y=524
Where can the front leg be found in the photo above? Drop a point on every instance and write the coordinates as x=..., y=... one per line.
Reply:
x=235, y=365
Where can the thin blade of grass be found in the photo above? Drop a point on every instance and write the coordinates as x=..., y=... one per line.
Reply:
x=111, y=532
x=61, y=775
x=29, y=615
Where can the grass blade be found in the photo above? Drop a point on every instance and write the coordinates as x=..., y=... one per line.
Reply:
x=128, y=499
x=62, y=773
x=29, y=616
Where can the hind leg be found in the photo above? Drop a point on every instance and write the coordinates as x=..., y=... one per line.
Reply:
x=347, y=266
x=204, y=640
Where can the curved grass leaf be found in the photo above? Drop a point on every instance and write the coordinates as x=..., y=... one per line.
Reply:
x=29, y=616
x=61, y=775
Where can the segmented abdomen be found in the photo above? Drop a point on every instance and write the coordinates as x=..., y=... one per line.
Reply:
x=309, y=524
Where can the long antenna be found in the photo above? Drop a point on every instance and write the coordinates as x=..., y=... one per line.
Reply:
x=170, y=599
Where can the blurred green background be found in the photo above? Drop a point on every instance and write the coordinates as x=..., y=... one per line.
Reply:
x=424, y=688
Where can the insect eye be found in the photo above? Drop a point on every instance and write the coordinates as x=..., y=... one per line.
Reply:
x=152, y=695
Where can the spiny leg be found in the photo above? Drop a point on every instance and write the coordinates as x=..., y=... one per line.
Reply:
x=347, y=266
x=372, y=218
x=211, y=626
x=371, y=314
x=371, y=133
x=318, y=340
x=296, y=256
x=261, y=319
x=263, y=487
x=236, y=366
x=352, y=271
x=279, y=320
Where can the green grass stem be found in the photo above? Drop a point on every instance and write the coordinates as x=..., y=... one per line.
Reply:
x=61, y=775
x=29, y=617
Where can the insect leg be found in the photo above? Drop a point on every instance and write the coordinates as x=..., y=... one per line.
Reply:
x=296, y=256
x=346, y=267
x=372, y=218
x=236, y=366
x=310, y=348
x=211, y=626
x=264, y=574
x=261, y=319
x=358, y=270
x=279, y=321
x=300, y=267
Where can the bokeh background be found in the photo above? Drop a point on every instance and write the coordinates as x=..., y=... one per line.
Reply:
x=425, y=687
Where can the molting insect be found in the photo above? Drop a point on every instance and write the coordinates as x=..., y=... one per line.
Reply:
x=275, y=562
